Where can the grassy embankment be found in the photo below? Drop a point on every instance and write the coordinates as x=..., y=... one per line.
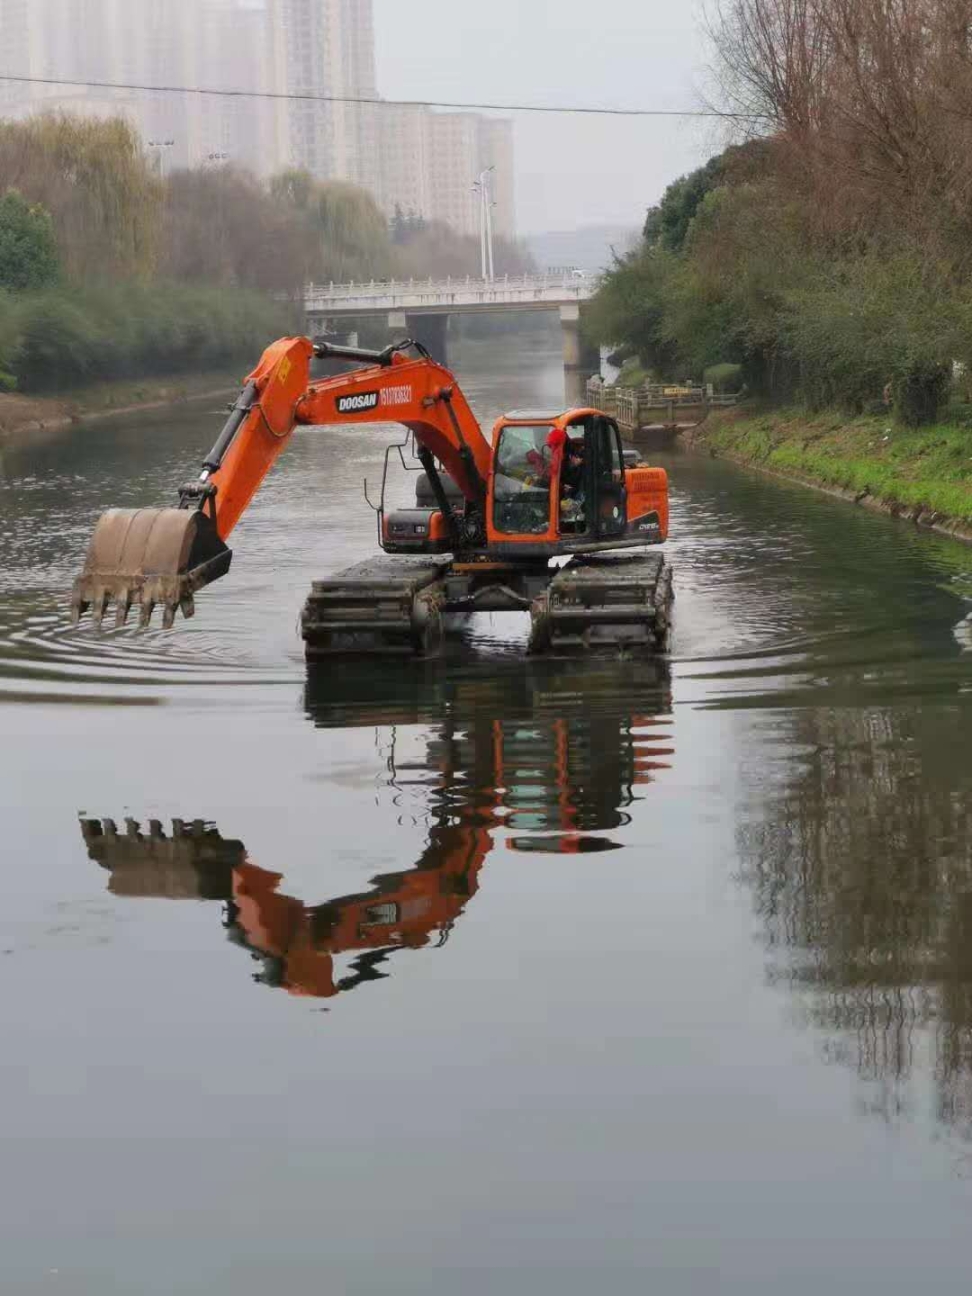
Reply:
x=924, y=474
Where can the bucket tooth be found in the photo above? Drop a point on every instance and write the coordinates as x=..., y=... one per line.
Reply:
x=149, y=556
x=79, y=604
x=123, y=603
x=99, y=605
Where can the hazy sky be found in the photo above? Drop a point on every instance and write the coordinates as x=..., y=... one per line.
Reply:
x=570, y=170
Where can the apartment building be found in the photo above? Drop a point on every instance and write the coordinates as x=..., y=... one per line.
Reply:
x=453, y=153
x=324, y=49
x=405, y=178
x=430, y=162
x=213, y=43
x=56, y=39
x=353, y=74
x=410, y=157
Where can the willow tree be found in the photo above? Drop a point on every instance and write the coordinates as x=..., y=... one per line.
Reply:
x=345, y=226
x=93, y=178
x=222, y=226
x=433, y=248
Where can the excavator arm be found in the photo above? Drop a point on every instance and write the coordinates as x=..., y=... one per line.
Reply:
x=280, y=396
x=163, y=556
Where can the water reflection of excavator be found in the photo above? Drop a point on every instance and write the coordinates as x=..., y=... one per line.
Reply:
x=554, y=761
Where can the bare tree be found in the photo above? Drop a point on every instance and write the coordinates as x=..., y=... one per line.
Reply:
x=869, y=103
x=772, y=61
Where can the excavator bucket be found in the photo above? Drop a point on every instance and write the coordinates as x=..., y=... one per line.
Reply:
x=149, y=557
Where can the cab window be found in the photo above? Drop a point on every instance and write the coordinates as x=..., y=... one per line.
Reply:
x=610, y=458
x=521, y=482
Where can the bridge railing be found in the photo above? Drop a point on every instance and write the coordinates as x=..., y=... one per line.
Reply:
x=381, y=286
x=570, y=287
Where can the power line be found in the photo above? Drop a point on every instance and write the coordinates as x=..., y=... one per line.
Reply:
x=575, y=109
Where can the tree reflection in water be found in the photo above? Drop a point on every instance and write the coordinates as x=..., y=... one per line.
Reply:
x=861, y=869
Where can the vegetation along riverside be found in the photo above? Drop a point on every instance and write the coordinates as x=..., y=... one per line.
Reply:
x=824, y=265
x=114, y=277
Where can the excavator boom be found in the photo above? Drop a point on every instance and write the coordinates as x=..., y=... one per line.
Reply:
x=163, y=556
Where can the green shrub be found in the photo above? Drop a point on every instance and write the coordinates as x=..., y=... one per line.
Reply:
x=632, y=374
x=740, y=277
x=920, y=392
x=64, y=338
x=28, y=248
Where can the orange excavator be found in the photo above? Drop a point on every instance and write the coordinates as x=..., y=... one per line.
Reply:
x=488, y=517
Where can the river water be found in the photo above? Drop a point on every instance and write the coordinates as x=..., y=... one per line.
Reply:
x=489, y=975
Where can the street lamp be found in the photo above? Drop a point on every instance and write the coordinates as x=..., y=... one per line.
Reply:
x=486, y=205
x=160, y=146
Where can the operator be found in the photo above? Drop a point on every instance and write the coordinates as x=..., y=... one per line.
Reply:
x=572, y=468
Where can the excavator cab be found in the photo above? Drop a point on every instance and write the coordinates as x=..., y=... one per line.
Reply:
x=561, y=483
x=592, y=497
x=558, y=481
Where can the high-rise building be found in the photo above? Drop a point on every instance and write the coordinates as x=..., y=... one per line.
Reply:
x=405, y=175
x=57, y=39
x=453, y=154
x=212, y=43
x=325, y=50
x=297, y=33
x=430, y=162
x=321, y=52
x=353, y=74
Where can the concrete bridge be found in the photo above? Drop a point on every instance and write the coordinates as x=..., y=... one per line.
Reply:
x=421, y=308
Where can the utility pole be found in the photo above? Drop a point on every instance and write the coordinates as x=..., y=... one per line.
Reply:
x=482, y=187
x=489, y=226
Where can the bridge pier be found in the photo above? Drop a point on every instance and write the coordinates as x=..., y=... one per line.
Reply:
x=580, y=360
x=431, y=330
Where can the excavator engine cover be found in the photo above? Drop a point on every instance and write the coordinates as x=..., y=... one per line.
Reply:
x=149, y=556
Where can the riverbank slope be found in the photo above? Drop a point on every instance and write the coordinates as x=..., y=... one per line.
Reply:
x=22, y=417
x=924, y=475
